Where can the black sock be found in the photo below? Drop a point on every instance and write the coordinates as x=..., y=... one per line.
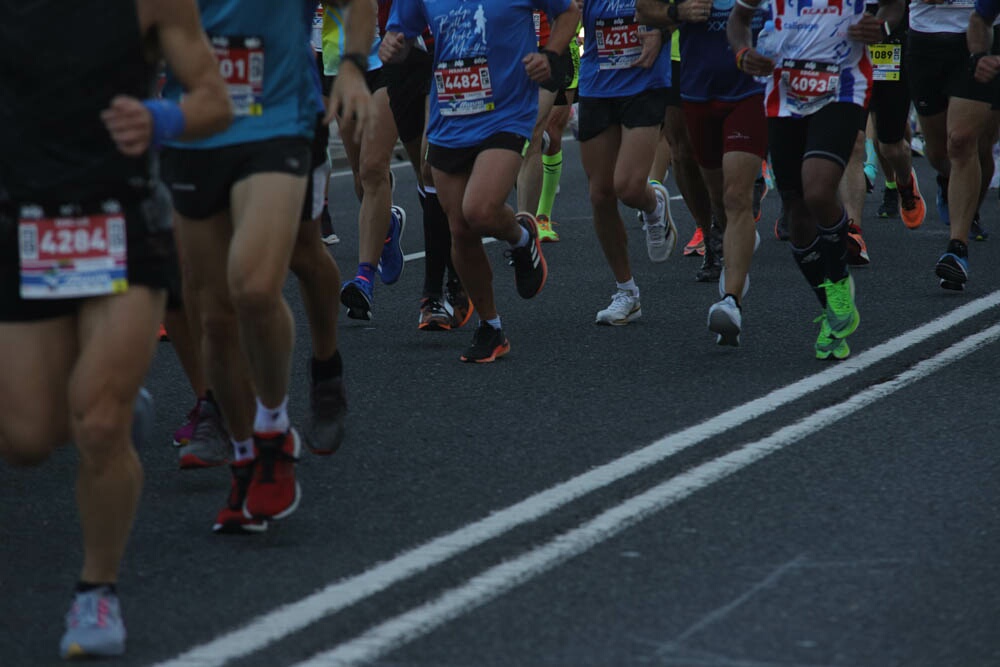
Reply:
x=87, y=586
x=437, y=243
x=833, y=247
x=813, y=267
x=210, y=397
x=326, y=369
x=959, y=248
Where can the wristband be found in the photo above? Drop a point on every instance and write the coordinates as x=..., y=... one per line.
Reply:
x=886, y=30
x=168, y=120
x=556, y=75
x=359, y=60
x=739, y=57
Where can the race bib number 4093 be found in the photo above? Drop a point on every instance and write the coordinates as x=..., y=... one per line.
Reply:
x=809, y=86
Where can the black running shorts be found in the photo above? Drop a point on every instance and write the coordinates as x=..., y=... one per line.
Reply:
x=646, y=109
x=461, y=160
x=408, y=84
x=938, y=65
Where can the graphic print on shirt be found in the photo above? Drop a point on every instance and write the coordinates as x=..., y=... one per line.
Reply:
x=462, y=75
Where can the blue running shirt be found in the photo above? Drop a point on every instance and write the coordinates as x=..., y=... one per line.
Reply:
x=709, y=70
x=610, y=46
x=266, y=59
x=480, y=87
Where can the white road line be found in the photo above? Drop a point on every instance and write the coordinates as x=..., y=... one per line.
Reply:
x=497, y=580
x=287, y=619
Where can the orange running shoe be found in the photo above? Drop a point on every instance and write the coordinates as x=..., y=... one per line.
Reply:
x=912, y=208
x=696, y=246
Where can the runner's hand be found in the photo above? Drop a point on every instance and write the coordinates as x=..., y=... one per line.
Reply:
x=652, y=42
x=987, y=68
x=392, y=48
x=867, y=31
x=537, y=67
x=695, y=11
x=755, y=64
x=351, y=104
x=130, y=125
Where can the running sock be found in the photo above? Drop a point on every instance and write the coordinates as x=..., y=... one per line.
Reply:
x=525, y=238
x=327, y=369
x=551, y=173
x=437, y=240
x=958, y=248
x=494, y=322
x=870, y=157
x=366, y=271
x=87, y=586
x=833, y=247
x=890, y=185
x=629, y=286
x=242, y=450
x=271, y=420
x=813, y=267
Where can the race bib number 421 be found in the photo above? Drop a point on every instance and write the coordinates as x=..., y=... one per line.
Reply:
x=73, y=256
x=241, y=64
x=618, y=45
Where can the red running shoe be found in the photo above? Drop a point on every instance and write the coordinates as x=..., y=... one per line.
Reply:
x=231, y=518
x=274, y=492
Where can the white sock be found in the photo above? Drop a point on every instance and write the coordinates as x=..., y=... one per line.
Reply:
x=495, y=323
x=629, y=286
x=525, y=237
x=242, y=449
x=271, y=420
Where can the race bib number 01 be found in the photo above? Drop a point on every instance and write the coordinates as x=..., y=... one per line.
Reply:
x=809, y=86
x=618, y=45
x=886, y=61
x=68, y=257
x=464, y=87
x=241, y=64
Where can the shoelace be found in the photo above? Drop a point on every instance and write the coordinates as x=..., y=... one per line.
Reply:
x=622, y=300
x=89, y=608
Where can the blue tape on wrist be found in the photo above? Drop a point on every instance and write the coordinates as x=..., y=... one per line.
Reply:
x=168, y=120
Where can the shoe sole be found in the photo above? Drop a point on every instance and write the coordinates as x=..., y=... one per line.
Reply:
x=631, y=317
x=497, y=353
x=839, y=353
x=951, y=278
x=728, y=332
x=455, y=324
x=240, y=528
x=851, y=327
x=358, y=307
x=434, y=326
x=76, y=652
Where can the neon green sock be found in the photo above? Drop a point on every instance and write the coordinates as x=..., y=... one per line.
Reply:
x=551, y=173
x=890, y=185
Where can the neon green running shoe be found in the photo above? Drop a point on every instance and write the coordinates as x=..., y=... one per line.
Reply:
x=826, y=345
x=841, y=314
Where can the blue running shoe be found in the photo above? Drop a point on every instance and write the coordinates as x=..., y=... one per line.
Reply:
x=390, y=264
x=942, y=201
x=357, y=295
x=953, y=271
x=94, y=626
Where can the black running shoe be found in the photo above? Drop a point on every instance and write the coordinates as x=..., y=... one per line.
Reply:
x=889, y=208
x=711, y=268
x=487, y=345
x=530, y=270
x=327, y=410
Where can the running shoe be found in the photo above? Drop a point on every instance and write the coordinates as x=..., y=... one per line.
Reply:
x=826, y=345
x=857, y=250
x=912, y=207
x=661, y=232
x=209, y=445
x=976, y=231
x=696, y=246
x=273, y=492
x=942, y=200
x=871, y=173
x=326, y=226
x=184, y=432
x=231, y=518
x=331, y=239
x=545, y=232
x=710, y=270
x=716, y=236
x=781, y=226
x=488, y=344
x=725, y=321
x=760, y=191
x=433, y=315
x=530, y=269
x=459, y=301
x=624, y=308
x=391, y=262
x=953, y=271
x=889, y=208
x=327, y=411
x=841, y=313
x=94, y=626
x=357, y=295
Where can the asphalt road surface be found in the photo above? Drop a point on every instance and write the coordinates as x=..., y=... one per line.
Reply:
x=600, y=496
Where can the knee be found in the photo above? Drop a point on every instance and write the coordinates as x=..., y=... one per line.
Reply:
x=218, y=324
x=373, y=174
x=602, y=194
x=28, y=453
x=961, y=144
x=630, y=190
x=100, y=431
x=479, y=215
x=736, y=199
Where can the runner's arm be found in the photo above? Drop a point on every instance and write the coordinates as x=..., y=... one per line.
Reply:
x=350, y=100
x=741, y=39
x=979, y=37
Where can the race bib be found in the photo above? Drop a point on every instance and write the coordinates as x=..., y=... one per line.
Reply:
x=808, y=86
x=317, y=30
x=886, y=61
x=241, y=64
x=958, y=4
x=72, y=256
x=464, y=87
x=618, y=45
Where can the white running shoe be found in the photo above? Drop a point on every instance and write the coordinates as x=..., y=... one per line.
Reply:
x=661, y=232
x=725, y=320
x=624, y=308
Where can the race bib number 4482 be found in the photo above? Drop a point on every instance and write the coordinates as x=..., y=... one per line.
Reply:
x=464, y=87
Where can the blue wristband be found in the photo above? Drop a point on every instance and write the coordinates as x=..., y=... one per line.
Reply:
x=168, y=120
